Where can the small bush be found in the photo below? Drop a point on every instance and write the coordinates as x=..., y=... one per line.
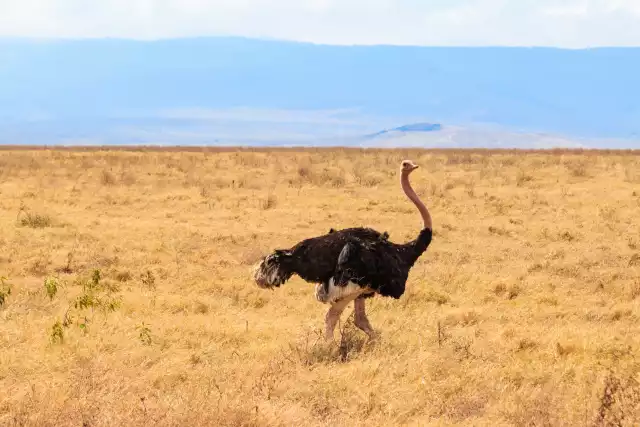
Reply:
x=370, y=181
x=304, y=172
x=205, y=192
x=564, y=350
x=526, y=344
x=268, y=202
x=577, y=168
x=148, y=279
x=107, y=178
x=201, y=308
x=57, y=333
x=437, y=297
x=145, y=334
x=5, y=291
x=522, y=177
x=32, y=220
x=67, y=268
x=96, y=295
x=51, y=287
x=123, y=276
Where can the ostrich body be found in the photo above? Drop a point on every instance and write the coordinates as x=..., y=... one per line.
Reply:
x=350, y=264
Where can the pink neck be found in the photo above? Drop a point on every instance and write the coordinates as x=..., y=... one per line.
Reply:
x=408, y=190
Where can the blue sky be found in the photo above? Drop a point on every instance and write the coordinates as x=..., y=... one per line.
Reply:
x=560, y=23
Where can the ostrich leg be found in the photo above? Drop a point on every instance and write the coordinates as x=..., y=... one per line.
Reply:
x=361, y=319
x=333, y=315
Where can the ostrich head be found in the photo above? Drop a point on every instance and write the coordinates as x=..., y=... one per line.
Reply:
x=408, y=166
x=273, y=270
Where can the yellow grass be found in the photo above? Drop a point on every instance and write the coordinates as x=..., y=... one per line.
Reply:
x=524, y=310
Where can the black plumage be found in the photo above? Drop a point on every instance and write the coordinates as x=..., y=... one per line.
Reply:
x=357, y=256
x=361, y=255
x=380, y=265
x=315, y=259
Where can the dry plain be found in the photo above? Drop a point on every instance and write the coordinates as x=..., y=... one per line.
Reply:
x=127, y=296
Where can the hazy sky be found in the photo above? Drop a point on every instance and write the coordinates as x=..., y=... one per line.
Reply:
x=564, y=23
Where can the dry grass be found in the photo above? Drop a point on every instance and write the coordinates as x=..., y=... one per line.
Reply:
x=128, y=298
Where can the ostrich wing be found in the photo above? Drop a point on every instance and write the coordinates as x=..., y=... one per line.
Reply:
x=379, y=265
x=314, y=259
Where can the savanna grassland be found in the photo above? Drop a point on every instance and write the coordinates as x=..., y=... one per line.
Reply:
x=127, y=296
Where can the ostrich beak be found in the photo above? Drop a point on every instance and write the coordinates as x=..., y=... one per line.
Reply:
x=409, y=165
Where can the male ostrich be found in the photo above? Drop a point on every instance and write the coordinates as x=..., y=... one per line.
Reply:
x=350, y=264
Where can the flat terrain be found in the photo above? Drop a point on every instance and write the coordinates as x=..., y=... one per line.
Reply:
x=128, y=298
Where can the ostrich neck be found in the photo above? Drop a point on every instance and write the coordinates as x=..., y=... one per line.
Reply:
x=408, y=190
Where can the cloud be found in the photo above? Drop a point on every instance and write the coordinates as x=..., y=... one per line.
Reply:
x=563, y=23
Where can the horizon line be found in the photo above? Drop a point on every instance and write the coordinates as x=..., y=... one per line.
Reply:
x=272, y=148
x=302, y=42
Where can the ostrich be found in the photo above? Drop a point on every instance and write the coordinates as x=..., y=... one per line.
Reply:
x=352, y=264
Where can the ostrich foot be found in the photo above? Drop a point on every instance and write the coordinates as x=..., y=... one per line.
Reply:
x=362, y=321
x=367, y=329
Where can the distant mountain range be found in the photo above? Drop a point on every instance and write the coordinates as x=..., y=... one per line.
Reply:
x=416, y=127
x=437, y=136
x=255, y=92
